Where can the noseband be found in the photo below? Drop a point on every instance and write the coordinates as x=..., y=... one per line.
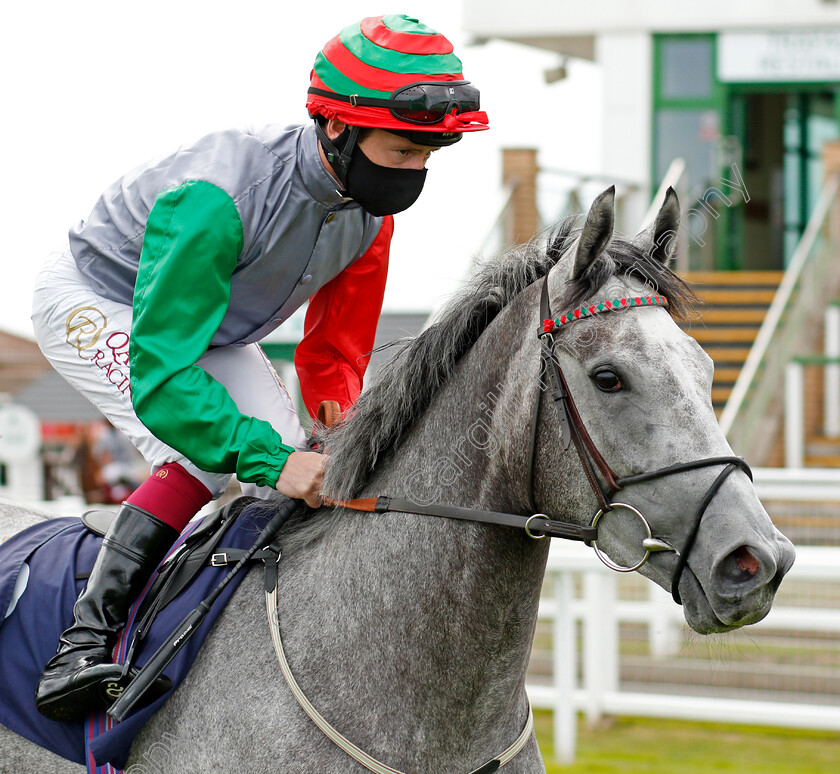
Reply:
x=601, y=477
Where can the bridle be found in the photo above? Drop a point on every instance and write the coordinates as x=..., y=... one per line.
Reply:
x=601, y=478
x=604, y=482
x=600, y=475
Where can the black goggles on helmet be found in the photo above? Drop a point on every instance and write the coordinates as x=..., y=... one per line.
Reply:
x=424, y=103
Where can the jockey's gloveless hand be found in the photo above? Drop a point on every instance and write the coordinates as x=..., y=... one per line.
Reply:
x=302, y=477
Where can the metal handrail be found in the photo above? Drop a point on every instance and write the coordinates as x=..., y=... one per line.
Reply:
x=501, y=210
x=779, y=305
x=593, y=177
x=673, y=178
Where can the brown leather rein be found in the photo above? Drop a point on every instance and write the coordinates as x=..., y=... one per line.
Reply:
x=602, y=479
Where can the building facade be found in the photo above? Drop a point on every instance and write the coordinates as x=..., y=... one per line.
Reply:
x=746, y=93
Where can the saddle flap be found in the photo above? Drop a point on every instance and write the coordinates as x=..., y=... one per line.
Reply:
x=193, y=554
x=98, y=522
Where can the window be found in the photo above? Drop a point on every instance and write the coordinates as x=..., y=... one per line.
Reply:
x=686, y=68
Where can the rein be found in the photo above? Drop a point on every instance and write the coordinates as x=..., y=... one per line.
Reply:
x=335, y=736
x=539, y=521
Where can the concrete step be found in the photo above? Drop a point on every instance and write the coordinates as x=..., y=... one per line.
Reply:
x=733, y=307
x=728, y=335
x=820, y=446
x=720, y=395
x=734, y=278
x=729, y=316
x=726, y=375
x=748, y=297
x=822, y=461
x=816, y=679
x=725, y=355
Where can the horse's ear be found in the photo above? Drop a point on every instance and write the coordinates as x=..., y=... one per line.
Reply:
x=596, y=233
x=659, y=239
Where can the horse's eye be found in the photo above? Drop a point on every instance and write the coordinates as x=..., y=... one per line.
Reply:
x=607, y=380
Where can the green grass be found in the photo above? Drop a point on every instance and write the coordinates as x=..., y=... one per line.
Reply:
x=652, y=746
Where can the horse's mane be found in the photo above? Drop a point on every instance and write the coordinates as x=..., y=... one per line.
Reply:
x=406, y=385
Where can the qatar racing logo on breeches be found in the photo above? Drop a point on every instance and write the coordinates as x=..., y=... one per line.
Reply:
x=84, y=327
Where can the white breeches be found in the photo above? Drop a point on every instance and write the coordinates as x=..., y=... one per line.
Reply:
x=86, y=338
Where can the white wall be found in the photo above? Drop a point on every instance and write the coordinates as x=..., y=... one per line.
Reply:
x=626, y=60
x=544, y=18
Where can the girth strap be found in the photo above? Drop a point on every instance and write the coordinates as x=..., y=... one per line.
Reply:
x=359, y=755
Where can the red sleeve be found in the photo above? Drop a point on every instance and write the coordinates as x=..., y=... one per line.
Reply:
x=340, y=328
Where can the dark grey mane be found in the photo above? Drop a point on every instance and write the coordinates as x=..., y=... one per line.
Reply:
x=408, y=383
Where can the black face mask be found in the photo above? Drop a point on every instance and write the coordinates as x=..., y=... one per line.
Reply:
x=382, y=190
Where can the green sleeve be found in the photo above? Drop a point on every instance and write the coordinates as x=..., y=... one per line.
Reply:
x=192, y=241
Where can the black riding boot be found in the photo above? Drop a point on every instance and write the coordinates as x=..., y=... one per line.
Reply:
x=71, y=682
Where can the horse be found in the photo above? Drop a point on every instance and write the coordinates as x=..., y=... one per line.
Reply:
x=412, y=633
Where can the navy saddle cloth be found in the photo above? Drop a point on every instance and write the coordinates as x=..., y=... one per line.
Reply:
x=42, y=571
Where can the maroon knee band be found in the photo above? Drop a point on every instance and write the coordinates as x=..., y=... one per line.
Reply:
x=171, y=494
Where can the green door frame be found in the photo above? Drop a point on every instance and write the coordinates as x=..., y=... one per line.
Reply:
x=716, y=101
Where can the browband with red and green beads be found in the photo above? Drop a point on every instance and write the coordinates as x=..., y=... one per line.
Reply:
x=603, y=306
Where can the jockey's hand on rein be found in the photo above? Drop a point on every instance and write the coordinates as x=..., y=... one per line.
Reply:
x=302, y=477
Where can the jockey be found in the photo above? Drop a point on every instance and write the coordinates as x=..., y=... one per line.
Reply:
x=154, y=309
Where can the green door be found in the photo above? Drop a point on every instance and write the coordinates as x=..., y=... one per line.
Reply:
x=780, y=130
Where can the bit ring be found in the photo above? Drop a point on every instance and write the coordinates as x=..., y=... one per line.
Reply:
x=604, y=558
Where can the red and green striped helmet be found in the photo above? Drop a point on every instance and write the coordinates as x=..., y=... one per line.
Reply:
x=393, y=72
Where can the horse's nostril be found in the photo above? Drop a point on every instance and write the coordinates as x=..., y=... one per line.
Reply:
x=743, y=567
x=746, y=561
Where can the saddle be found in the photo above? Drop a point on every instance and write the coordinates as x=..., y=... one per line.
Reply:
x=180, y=567
x=42, y=571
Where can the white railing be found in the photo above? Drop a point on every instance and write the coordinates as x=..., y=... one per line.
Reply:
x=831, y=407
x=491, y=242
x=801, y=485
x=493, y=235
x=756, y=365
x=674, y=178
x=794, y=413
x=600, y=612
x=565, y=192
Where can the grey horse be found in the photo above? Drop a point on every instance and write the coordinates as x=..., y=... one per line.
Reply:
x=411, y=634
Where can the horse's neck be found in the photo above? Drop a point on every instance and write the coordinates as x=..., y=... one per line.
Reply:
x=476, y=587
x=471, y=446
x=413, y=633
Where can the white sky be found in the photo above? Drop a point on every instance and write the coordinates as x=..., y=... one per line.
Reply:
x=91, y=88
